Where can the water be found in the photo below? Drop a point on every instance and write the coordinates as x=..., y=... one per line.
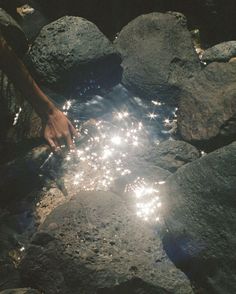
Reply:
x=118, y=130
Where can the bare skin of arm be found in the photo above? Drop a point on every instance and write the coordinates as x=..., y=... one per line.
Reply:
x=57, y=128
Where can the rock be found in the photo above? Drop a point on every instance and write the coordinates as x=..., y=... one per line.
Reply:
x=100, y=246
x=158, y=55
x=207, y=109
x=71, y=50
x=20, y=176
x=143, y=168
x=200, y=213
x=17, y=119
x=13, y=33
x=20, y=291
x=171, y=155
x=222, y=52
x=9, y=275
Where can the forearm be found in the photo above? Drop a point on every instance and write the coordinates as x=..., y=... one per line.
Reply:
x=20, y=76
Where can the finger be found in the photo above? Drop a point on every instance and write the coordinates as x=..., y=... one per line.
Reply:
x=69, y=142
x=52, y=144
x=73, y=131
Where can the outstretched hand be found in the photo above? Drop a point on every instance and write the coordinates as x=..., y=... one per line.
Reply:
x=58, y=130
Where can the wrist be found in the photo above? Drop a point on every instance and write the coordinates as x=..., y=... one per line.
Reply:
x=45, y=109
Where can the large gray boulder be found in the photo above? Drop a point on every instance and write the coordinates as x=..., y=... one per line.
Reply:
x=158, y=55
x=200, y=213
x=95, y=243
x=207, y=109
x=70, y=50
x=222, y=52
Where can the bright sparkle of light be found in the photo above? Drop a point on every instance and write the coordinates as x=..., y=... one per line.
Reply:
x=16, y=118
x=161, y=182
x=116, y=140
x=122, y=115
x=107, y=153
x=157, y=103
x=22, y=249
x=152, y=115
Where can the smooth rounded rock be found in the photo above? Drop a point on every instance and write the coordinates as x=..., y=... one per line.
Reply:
x=158, y=55
x=200, y=213
x=207, y=109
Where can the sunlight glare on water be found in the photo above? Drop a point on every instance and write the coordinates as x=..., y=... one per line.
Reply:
x=110, y=143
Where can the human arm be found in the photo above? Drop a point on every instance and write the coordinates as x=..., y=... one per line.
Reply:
x=57, y=127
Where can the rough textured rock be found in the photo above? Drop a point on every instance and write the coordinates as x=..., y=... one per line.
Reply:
x=20, y=291
x=13, y=33
x=200, y=212
x=158, y=55
x=98, y=244
x=18, y=177
x=72, y=49
x=222, y=52
x=171, y=155
x=9, y=276
x=17, y=119
x=207, y=110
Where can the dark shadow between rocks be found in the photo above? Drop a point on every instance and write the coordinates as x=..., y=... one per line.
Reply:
x=197, y=270
x=214, y=143
x=88, y=79
x=134, y=286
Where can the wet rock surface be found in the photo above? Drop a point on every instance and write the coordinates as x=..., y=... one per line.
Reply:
x=207, y=107
x=222, y=52
x=172, y=154
x=158, y=54
x=72, y=49
x=200, y=215
x=15, y=175
x=95, y=243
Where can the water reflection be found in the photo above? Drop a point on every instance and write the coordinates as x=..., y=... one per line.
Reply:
x=147, y=197
x=121, y=128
